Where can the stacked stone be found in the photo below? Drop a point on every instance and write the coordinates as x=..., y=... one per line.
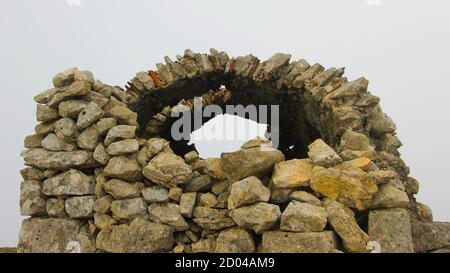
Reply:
x=83, y=147
x=159, y=122
x=94, y=185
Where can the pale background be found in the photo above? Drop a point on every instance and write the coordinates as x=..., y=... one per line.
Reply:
x=401, y=46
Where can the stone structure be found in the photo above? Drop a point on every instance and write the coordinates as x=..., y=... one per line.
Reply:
x=104, y=174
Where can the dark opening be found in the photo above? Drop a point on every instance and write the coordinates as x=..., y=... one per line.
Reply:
x=295, y=132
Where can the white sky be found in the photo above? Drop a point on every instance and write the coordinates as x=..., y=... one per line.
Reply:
x=401, y=46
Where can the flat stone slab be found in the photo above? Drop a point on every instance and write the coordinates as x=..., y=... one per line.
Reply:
x=293, y=242
x=39, y=235
x=392, y=229
x=430, y=236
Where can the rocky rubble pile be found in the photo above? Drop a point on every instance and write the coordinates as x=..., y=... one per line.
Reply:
x=95, y=184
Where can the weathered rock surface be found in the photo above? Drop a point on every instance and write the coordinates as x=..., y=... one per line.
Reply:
x=293, y=242
x=292, y=173
x=353, y=237
x=250, y=162
x=125, y=146
x=53, y=143
x=77, y=88
x=39, y=235
x=235, y=240
x=155, y=194
x=103, y=204
x=306, y=197
x=32, y=201
x=103, y=221
x=212, y=219
x=71, y=108
x=72, y=182
x=199, y=183
x=353, y=187
x=30, y=173
x=100, y=154
x=389, y=196
x=88, y=139
x=41, y=158
x=323, y=155
x=123, y=190
x=45, y=113
x=65, y=77
x=119, y=132
x=80, y=206
x=56, y=208
x=123, y=167
x=260, y=216
x=430, y=236
x=140, y=236
x=187, y=203
x=128, y=208
x=168, y=214
x=391, y=228
x=167, y=169
x=66, y=129
x=246, y=192
x=303, y=217
x=90, y=114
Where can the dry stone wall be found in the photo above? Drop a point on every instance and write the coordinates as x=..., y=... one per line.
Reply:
x=104, y=175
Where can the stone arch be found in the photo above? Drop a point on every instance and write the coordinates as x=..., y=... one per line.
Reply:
x=314, y=101
x=101, y=171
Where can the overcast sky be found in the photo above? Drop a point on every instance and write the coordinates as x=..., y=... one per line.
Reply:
x=401, y=46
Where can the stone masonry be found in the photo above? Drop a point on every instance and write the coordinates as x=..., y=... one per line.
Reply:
x=104, y=175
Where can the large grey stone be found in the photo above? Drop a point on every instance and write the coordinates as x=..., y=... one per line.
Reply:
x=32, y=201
x=250, y=162
x=90, y=114
x=72, y=182
x=128, y=208
x=246, y=192
x=140, y=236
x=168, y=169
x=71, y=108
x=353, y=237
x=123, y=167
x=260, y=216
x=121, y=147
x=391, y=228
x=76, y=89
x=53, y=143
x=323, y=155
x=293, y=242
x=235, y=240
x=41, y=158
x=187, y=203
x=80, y=206
x=123, y=190
x=89, y=138
x=39, y=235
x=430, y=236
x=212, y=219
x=169, y=214
x=353, y=187
x=292, y=173
x=155, y=194
x=65, y=77
x=303, y=217
x=66, y=129
x=120, y=132
x=388, y=196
